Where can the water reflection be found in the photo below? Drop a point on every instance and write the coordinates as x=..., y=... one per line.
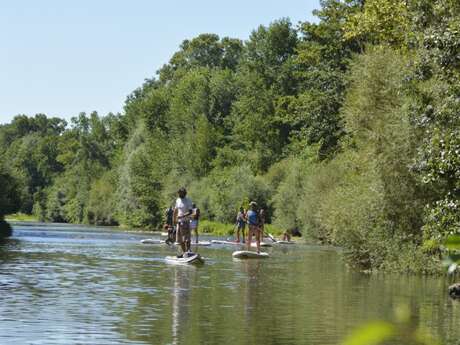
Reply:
x=182, y=277
x=251, y=287
x=74, y=286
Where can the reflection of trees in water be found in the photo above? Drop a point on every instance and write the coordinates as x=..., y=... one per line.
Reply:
x=155, y=303
x=251, y=285
x=182, y=278
x=9, y=249
x=253, y=297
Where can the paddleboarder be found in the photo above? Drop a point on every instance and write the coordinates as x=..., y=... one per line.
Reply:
x=262, y=223
x=287, y=235
x=254, y=225
x=169, y=226
x=182, y=213
x=194, y=221
x=241, y=224
x=290, y=233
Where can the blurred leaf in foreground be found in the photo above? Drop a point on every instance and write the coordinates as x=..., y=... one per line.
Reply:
x=372, y=333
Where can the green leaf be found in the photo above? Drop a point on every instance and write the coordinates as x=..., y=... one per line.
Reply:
x=372, y=333
x=455, y=257
x=453, y=242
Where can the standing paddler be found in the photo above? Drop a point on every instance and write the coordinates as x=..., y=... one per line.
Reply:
x=254, y=225
x=182, y=213
x=195, y=221
x=241, y=224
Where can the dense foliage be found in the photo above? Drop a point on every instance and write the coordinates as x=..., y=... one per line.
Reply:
x=347, y=128
x=9, y=200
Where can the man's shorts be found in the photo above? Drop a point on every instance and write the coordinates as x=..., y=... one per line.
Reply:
x=183, y=233
x=254, y=228
x=193, y=224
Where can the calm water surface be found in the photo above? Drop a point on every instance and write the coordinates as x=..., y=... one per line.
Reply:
x=80, y=285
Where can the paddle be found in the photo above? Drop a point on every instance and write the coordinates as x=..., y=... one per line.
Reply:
x=271, y=237
x=234, y=229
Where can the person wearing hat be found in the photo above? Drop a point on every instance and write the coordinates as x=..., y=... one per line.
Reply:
x=182, y=213
x=254, y=228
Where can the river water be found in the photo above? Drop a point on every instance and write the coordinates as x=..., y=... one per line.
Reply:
x=83, y=285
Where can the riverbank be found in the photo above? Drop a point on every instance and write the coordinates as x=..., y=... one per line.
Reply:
x=221, y=229
x=21, y=217
x=205, y=227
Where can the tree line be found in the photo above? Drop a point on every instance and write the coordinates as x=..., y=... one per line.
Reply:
x=347, y=128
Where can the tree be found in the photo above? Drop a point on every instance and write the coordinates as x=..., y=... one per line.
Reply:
x=381, y=22
x=322, y=61
x=9, y=196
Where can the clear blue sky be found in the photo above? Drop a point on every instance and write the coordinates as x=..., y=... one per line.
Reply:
x=62, y=57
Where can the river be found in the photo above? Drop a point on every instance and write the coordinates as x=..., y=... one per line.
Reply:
x=85, y=285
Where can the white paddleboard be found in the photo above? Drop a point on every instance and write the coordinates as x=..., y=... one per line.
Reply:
x=200, y=243
x=189, y=258
x=245, y=254
x=284, y=242
x=262, y=244
x=226, y=242
x=152, y=241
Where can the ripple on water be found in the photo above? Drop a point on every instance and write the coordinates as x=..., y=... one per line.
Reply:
x=91, y=286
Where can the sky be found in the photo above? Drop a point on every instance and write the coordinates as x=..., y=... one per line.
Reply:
x=62, y=57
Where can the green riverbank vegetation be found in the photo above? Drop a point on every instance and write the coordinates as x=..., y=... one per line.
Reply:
x=347, y=128
x=9, y=201
x=21, y=217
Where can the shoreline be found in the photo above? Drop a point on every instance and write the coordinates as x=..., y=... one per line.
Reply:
x=206, y=227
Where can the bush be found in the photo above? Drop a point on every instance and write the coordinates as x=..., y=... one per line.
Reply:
x=368, y=199
x=101, y=203
x=288, y=194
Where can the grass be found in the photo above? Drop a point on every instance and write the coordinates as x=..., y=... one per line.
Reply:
x=21, y=217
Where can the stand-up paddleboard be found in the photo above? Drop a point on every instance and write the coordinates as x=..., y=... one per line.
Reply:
x=253, y=244
x=189, y=258
x=152, y=241
x=200, y=243
x=164, y=234
x=246, y=254
x=226, y=242
x=284, y=242
x=262, y=244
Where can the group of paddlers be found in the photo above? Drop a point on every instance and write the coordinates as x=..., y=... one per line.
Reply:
x=184, y=217
x=256, y=224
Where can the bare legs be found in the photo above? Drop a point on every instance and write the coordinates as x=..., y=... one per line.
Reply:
x=254, y=230
x=238, y=234
x=183, y=237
